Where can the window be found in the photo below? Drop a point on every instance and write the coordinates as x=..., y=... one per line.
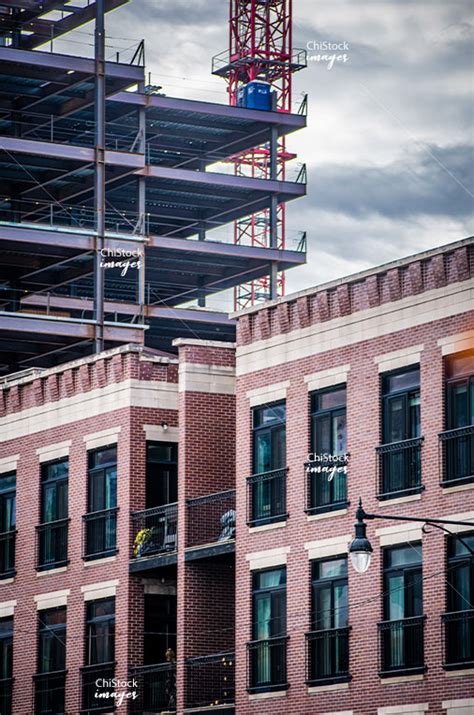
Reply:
x=327, y=481
x=99, y=655
x=53, y=529
x=459, y=620
x=6, y=665
x=328, y=641
x=267, y=650
x=402, y=629
x=400, y=454
x=7, y=524
x=101, y=520
x=161, y=474
x=51, y=678
x=458, y=440
x=267, y=486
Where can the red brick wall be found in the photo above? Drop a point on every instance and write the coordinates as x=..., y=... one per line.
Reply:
x=365, y=693
x=66, y=382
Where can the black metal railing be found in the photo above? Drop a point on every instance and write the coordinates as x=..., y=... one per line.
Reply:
x=100, y=533
x=458, y=639
x=266, y=664
x=457, y=456
x=210, y=680
x=49, y=692
x=6, y=691
x=327, y=656
x=51, y=544
x=156, y=688
x=399, y=468
x=211, y=518
x=155, y=530
x=7, y=553
x=266, y=497
x=326, y=484
x=401, y=646
x=96, y=695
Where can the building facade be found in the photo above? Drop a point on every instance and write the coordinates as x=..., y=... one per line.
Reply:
x=180, y=522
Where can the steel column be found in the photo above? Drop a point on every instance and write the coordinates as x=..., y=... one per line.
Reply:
x=99, y=197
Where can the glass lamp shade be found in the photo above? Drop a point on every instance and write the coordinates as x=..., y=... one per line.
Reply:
x=360, y=560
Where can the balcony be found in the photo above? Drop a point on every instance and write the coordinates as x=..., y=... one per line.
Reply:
x=156, y=688
x=326, y=484
x=210, y=680
x=93, y=699
x=266, y=497
x=155, y=533
x=266, y=665
x=7, y=554
x=211, y=525
x=99, y=534
x=51, y=544
x=327, y=656
x=458, y=639
x=399, y=468
x=401, y=647
x=49, y=692
x=457, y=456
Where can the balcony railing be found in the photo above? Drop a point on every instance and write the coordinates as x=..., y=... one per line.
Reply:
x=211, y=518
x=7, y=553
x=399, y=468
x=327, y=656
x=266, y=663
x=266, y=497
x=156, y=688
x=326, y=484
x=93, y=696
x=457, y=456
x=155, y=530
x=49, y=692
x=6, y=690
x=401, y=646
x=100, y=533
x=458, y=639
x=51, y=544
x=211, y=680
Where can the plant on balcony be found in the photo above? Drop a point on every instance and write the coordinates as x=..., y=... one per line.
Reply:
x=141, y=540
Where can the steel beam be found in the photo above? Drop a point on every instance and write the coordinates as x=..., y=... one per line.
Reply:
x=69, y=327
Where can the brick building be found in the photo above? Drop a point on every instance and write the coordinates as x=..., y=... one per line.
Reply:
x=179, y=524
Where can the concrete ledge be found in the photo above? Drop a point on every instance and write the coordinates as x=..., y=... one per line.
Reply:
x=458, y=488
x=102, y=438
x=268, y=393
x=268, y=558
x=267, y=527
x=51, y=572
x=54, y=599
x=8, y=464
x=400, y=500
x=267, y=696
x=399, y=358
x=54, y=451
x=327, y=378
x=402, y=679
x=100, y=562
x=104, y=589
x=413, y=709
x=315, y=689
x=456, y=343
x=7, y=608
x=156, y=433
x=459, y=673
x=328, y=547
x=399, y=534
x=326, y=515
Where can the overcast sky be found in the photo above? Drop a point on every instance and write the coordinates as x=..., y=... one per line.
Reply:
x=389, y=138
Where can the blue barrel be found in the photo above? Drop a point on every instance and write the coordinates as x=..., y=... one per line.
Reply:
x=259, y=95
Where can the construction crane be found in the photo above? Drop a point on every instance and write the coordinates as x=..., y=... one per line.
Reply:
x=260, y=48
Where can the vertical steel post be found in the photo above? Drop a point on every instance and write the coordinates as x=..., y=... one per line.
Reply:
x=99, y=193
x=274, y=204
x=142, y=205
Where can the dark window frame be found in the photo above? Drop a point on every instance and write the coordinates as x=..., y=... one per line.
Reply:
x=7, y=535
x=457, y=441
x=268, y=654
x=337, y=486
x=402, y=639
x=52, y=534
x=171, y=489
x=458, y=621
x=399, y=461
x=94, y=669
x=266, y=491
x=6, y=665
x=100, y=525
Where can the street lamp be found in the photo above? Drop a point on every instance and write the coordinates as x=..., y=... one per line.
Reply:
x=360, y=548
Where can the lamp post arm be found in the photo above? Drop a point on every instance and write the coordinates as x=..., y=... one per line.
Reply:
x=447, y=531
x=422, y=520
